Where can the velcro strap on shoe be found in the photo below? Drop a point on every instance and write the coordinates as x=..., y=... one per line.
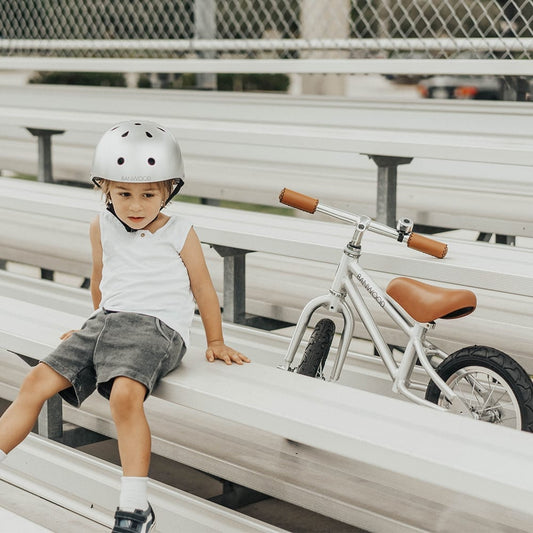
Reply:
x=134, y=521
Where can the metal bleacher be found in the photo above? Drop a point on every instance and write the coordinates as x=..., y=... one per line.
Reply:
x=350, y=452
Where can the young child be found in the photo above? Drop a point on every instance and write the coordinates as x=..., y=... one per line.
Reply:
x=148, y=268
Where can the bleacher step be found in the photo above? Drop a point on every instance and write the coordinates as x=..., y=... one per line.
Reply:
x=90, y=487
x=13, y=522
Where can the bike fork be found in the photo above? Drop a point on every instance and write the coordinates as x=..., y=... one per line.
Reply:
x=335, y=303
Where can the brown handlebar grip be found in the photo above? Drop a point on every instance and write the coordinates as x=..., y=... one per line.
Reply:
x=298, y=200
x=427, y=245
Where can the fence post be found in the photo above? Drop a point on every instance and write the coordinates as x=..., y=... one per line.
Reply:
x=325, y=20
x=205, y=27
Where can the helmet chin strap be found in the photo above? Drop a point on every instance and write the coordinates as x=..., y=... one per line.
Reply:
x=111, y=209
x=178, y=185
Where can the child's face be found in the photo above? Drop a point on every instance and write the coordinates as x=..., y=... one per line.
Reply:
x=136, y=204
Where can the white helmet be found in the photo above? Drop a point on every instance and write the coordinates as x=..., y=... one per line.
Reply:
x=137, y=151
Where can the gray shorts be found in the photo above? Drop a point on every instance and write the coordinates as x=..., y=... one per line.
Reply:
x=112, y=344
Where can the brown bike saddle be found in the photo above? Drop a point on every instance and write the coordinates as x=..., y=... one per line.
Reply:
x=426, y=303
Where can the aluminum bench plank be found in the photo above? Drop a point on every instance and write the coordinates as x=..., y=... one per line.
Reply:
x=347, y=509
x=470, y=264
x=282, y=131
x=231, y=113
x=464, y=195
x=462, y=147
x=500, y=275
x=279, y=402
x=90, y=487
x=13, y=522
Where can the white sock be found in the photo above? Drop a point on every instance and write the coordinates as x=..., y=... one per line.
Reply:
x=133, y=493
x=2, y=456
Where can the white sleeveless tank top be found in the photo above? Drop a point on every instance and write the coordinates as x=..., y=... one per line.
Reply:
x=143, y=272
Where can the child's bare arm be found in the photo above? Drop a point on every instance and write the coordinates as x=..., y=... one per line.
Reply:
x=97, y=255
x=96, y=275
x=207, y=301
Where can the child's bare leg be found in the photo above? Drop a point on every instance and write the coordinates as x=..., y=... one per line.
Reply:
x=39, y=385
x=134, y=439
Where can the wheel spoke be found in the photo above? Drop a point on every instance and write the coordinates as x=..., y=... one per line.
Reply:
x=491, y=386
x=507, y=418
x=486, y=395
x=487, y=399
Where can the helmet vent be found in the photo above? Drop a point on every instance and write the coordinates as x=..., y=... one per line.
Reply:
x=148, y=134
x=120, y=161
x=151, y=161
x=125, y=134
x=161, y=129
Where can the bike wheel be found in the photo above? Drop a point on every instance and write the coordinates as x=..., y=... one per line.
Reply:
x=317, y=350
x=494, y=386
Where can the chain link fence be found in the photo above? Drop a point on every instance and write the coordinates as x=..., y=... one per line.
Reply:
x=477, y=29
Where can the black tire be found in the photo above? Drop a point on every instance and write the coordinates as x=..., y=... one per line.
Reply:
x=488, y=366
x=317, y=350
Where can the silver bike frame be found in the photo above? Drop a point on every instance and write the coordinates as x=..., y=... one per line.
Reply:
x=344, y=297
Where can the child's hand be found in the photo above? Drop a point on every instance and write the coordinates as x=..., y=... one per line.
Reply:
x=66, y=335
x=218, y=350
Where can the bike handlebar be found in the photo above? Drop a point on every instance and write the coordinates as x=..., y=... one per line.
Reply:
x=426, y=245
x=298, y=200
x=311, y=205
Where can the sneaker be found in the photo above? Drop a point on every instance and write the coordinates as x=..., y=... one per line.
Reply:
x=136, y=522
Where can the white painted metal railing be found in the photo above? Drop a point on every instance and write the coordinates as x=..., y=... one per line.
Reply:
x=273, y=29
x=489, y=67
